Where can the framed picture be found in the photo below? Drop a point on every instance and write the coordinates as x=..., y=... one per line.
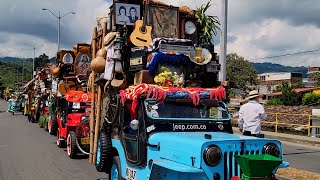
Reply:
x=126, y=13
x=164, y=21
x=83, y=63
x=67, y=59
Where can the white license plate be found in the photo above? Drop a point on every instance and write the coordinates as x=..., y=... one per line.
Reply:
x=135, y=61
x=131, y=174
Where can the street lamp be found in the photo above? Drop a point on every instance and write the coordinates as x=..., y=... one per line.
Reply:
x=58, y=17
x=34, y=56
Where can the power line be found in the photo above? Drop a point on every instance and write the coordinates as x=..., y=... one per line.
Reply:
x=289, y=54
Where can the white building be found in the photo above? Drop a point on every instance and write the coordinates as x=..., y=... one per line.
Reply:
x=269, y=81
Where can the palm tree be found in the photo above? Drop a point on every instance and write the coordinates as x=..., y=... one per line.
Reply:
x=41, y=61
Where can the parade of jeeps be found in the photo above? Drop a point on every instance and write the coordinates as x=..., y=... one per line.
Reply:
x=159, y=90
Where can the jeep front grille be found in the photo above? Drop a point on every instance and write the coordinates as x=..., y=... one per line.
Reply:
x=231, y=167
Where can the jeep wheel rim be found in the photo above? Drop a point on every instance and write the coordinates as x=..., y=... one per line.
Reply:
x=114, y=172
x=69, y=144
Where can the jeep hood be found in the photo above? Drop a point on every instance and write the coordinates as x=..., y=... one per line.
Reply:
x=186, y=148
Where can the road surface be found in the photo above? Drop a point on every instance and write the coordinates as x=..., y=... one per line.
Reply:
x=29, y=153
x=302, y=156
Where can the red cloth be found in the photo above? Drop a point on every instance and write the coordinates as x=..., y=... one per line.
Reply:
x=160, y=93
x=78, y=96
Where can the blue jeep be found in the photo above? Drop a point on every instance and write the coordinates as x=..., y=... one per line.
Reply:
x=174, y=139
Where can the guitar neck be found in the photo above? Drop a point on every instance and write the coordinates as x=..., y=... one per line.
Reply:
x=146, y=4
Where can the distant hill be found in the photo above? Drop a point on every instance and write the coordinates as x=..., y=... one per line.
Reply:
x=14, y=59
x=12, y=72
x=270, y=67
x=260, y=67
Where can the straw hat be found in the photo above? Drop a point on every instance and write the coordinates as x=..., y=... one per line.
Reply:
x=110, y=38
x=253, y=94
x=200, y=56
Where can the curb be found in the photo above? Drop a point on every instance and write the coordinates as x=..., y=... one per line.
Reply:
x=304, y=141
x=298, y=141
x=280, y=177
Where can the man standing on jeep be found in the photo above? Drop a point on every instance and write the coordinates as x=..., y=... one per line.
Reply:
x=250, y=115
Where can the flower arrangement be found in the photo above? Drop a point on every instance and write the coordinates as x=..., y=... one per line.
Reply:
x=166, y=77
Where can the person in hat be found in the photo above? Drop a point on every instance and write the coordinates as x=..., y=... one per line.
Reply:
x=250, y=115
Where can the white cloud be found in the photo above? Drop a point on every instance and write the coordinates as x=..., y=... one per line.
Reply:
x=255, y=28
x=275, y=37
x=24, y=21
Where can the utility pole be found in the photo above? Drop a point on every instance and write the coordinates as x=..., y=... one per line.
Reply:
x=223, y=40
x=22, y=69
x=59, y=18
x=34, y=56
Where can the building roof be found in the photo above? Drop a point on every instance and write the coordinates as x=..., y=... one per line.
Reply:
x=304, y=89
x=297, y=90
x=277, y=73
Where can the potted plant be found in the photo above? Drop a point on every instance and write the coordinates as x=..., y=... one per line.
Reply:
x=209, y=24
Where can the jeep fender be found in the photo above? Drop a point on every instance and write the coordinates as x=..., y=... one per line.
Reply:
x=163, y=169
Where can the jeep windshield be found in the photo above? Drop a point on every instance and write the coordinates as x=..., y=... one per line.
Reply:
x=184, y=109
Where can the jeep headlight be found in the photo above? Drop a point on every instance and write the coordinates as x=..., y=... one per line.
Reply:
x=271, y=149
x=212, y=155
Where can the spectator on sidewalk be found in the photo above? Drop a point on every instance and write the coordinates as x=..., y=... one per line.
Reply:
x=250, y=115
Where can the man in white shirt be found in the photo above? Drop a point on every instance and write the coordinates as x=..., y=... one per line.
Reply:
x=250, y=115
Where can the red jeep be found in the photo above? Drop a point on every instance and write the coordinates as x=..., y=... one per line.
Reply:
x=73, y=125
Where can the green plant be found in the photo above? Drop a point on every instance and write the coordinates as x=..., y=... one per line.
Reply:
x=275, y=101
x=209, y=24
x=311, y=98
x=43, y=120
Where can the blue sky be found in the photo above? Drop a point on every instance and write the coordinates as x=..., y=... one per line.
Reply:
x=256, y=28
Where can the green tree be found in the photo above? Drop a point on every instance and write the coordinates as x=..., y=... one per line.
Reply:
x=240, y=72
x=316, y=76
x=41, y=61
x=311, y=98
x=289, y=97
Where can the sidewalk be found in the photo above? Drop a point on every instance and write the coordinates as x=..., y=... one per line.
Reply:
x=287, y=137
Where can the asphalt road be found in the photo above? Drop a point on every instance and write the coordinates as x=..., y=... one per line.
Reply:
x=302, y=156
x=29, y=153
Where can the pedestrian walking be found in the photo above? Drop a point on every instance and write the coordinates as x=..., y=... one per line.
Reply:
x=250, y=115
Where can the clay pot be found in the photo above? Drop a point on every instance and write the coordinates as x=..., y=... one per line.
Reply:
x=101, y=53
x=56, y=70
x=98, y=64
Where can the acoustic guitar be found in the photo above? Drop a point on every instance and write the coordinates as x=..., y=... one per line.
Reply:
x=141, y=35
x=65, y=87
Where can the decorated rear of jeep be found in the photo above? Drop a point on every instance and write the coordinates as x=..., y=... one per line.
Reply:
x=159, y=110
